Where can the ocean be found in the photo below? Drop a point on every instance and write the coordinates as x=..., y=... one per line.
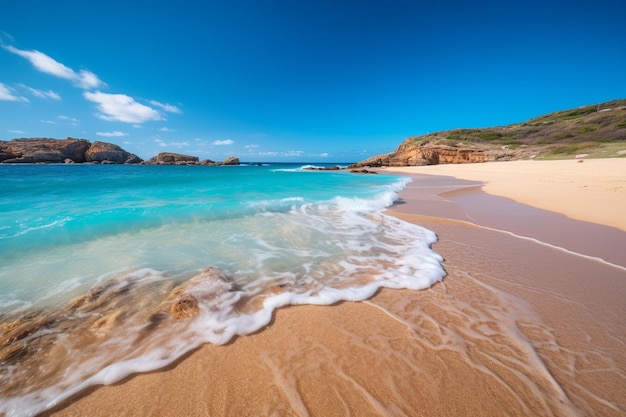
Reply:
x=110, y=270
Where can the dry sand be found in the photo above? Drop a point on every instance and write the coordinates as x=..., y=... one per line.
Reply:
x=592, y=190
x=517, y=328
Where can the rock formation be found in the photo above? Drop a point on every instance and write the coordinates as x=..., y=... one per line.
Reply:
x=415, y=153
x=231, y=160
x=169, y=158
x=330, y=168
x=109, y=153
x=70, y=150
x=43, y=150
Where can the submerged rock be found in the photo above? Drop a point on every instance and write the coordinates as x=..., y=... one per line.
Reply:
x=362, y=171
x=184, y=307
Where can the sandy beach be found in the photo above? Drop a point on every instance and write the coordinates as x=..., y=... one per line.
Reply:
x=592, y=190
x=528, y=321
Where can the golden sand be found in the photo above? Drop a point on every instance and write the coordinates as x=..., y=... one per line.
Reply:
x=593, y=190
x=517, y=328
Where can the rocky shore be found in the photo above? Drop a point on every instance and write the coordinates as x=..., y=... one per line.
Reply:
x=80, y=151
x=412, y=153
x=169, y=158
x=58, y=151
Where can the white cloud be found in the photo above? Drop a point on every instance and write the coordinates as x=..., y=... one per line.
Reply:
x=18, y=132
x=121, y=108
x=71, y=120
x=42, y=62
x=7, y=94
x=40, y=93
x=324, y=155
x=166, y=107
x=251, y=146
x=166, y=129
x=50, y=122
x=88, y=80
x=223, y=142
x=114, y=134
x=293, y=153
x=164, y=144
x=6, y=35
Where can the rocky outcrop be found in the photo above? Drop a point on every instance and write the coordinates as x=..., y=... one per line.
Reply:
x=362, y=171
x=231, y=160
x=415, y=153
x=104, y=152
x=330, y=168
x=169, y=158
x=70, y=150
x=43, y=150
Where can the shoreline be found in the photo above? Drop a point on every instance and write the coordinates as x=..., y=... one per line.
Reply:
x=516, y=328
x=592, y=190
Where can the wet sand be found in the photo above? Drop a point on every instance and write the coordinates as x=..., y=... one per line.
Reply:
x=520, y=326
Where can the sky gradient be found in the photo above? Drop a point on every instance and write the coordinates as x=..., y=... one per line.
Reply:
x=297, y=81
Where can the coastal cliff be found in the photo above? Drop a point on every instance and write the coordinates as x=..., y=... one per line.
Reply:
x=597, y=130
x=70, y=150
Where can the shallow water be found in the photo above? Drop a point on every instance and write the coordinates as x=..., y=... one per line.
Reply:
x=100, y=266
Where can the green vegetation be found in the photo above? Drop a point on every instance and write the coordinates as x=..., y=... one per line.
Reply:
x=587, y=129
x=566, y=115
x=490, y=136
x=611, y=150
x=589, y=149
x=570, y=149
x=598, y=129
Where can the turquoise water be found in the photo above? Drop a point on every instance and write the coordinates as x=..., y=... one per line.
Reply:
x=124, y=237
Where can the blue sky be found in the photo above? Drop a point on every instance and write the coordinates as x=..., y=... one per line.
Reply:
x=334, y=81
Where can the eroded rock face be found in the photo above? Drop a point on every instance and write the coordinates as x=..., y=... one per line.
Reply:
x=411, y=153
x=70, y=150
x=104, y=152
x=43, y=150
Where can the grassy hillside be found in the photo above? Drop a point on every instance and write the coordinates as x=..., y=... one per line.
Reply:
x=597, y=130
